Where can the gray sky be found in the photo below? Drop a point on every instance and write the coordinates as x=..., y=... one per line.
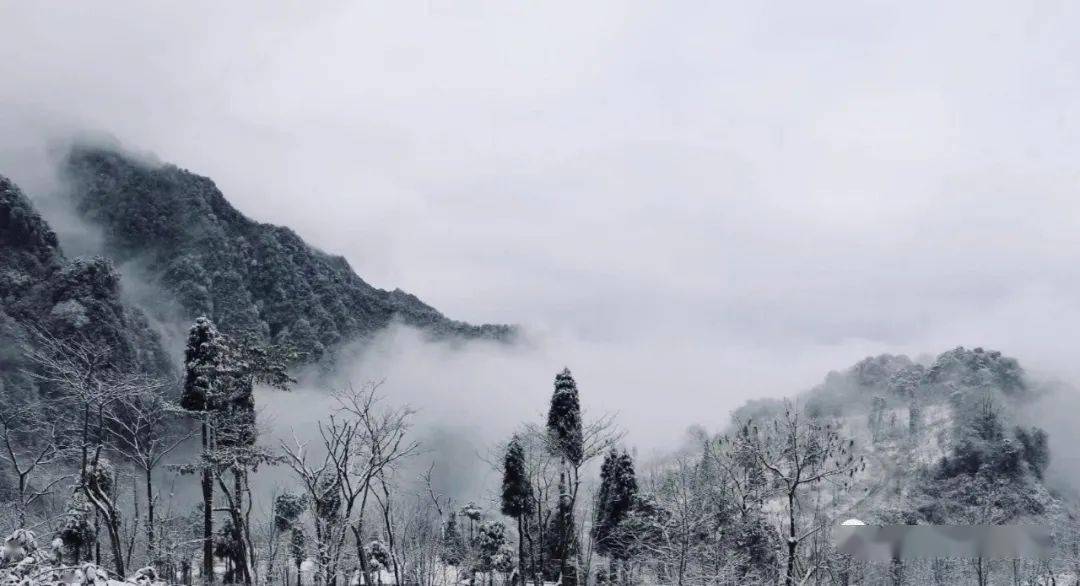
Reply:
x=689, y=203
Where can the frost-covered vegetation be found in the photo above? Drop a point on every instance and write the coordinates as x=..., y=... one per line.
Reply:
x=76, y=299
x=248, y=277
x=98, y=441
x=912, y=444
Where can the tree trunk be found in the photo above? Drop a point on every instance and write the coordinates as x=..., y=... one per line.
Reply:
x=116, y=540
x=97, y=540
x=241, y=562
x=150, y=546
x=208, y=511
x=521, y=549
x=791, y=542
x=361, y=556
x=22, y=500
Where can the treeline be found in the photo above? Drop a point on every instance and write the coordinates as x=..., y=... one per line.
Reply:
x=91, y=467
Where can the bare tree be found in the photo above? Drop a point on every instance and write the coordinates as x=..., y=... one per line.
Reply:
x=322, y=486
x=380, y=446
x=31, y=447
x=361, y=441
x=422, y=540
x=799, y=452
x=87, y=379
x=142, y=428
x=542, y=471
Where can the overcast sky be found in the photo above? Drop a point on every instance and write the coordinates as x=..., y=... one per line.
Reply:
x=696, y=201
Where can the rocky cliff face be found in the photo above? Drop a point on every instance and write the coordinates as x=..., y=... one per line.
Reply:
x=76, y=299
x=247, y=276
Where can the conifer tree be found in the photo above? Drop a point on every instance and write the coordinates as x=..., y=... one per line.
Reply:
x=453, y=550
x=516, y=494
x=563, y=527
x=220, y=376
x=203, y=360
x=618, y=488
x=564, y=419
x=566, y=438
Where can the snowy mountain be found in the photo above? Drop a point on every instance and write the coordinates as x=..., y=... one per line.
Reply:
x=246, y=276
x=939, y=440
x=71, y=299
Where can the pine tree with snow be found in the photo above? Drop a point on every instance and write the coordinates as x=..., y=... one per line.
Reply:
x=564, y=529
x=564, y=419
x=220, y=376
x=618, y=488
x=203, y=360
x=566, y=441
x=516, y=490
x=453, y=543
x=516, y=494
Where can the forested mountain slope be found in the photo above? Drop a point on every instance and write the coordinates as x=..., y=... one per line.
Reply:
x=939, y=440
x=247, y=276
x=76, y=299
x=887, y=441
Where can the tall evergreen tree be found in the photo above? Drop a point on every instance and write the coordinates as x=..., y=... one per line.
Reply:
x=618, y=488
x=220, y=376
x=563, y=547
x=204, y=358
x=237, y=451
x=566, y=438
x=516, y=495
x=564, y=419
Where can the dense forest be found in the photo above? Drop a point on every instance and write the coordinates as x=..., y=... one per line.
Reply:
x=121, y=462
x=259, y=279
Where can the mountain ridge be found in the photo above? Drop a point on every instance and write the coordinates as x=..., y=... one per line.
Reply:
x=248, y=276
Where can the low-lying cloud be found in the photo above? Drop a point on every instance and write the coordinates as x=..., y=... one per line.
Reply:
x=688, y=205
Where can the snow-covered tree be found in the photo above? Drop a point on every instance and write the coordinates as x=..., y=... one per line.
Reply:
x=564, y=419
x=490, y=542
x=358, y=443
x=516, y=494
x=798, y=452
x=204, y=360
x=574, y=443
x=220, y=375
x=31, y=452
x=142, y=428
x=453, y=546
x=618, y=488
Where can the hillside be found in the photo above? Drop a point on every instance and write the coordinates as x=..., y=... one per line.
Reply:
x=247, y=276
x=938, y=439
x=71, y=299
